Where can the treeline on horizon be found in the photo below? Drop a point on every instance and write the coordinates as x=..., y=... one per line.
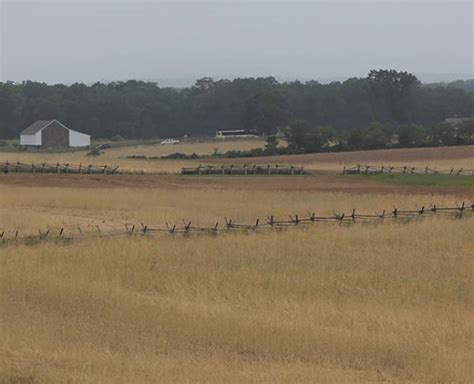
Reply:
x=381, y=104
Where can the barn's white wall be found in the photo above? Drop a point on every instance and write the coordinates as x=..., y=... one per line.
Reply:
x=77, y=139
x=31, y=139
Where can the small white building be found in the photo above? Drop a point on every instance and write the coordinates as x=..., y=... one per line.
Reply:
x=50, y=134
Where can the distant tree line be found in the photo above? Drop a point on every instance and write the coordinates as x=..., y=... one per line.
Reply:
x=305, y=138
x=466, y=85
x=358, y=113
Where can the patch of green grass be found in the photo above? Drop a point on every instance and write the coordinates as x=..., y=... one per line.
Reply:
x=424, y=180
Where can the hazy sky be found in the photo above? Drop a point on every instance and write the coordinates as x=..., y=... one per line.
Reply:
x=69, y=41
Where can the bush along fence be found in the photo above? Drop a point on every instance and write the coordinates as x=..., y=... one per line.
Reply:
x=244, y=170
x=229, y=225
x=366, y=169
x=8, y=167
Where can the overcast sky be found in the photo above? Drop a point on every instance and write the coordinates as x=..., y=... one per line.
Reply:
x=78, y=41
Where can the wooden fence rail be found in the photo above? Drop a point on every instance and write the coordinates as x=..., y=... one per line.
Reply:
x=8, y=167
x=228, y=225
x=244, y=170
x=409, y=170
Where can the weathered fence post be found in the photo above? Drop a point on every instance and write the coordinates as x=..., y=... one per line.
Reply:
x=271, y=221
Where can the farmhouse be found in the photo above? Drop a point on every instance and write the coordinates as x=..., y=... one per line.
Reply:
x=52, y=133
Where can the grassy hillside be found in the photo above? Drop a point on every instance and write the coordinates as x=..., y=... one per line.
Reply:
x=330, y=304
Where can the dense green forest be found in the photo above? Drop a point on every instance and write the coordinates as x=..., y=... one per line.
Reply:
x=383, y=102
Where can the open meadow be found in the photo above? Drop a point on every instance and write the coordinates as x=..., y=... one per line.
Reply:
x=438, y=158
x=385, y=301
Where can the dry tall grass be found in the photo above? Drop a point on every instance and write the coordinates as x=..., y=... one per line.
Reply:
x=385, y=302
x=378, y=303
x=29, y=209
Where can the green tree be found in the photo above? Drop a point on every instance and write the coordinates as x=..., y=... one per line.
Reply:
x=411, y=135
x=266, y=113
x=296, y=134
x=466, y=129
x=271, y=144
x=377, y=135
x=443, y=134
x=395, y=89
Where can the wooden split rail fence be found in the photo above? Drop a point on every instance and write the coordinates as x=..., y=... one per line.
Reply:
x=8, y=167
x=229, y=225
x=367, y=169
x=244, y=170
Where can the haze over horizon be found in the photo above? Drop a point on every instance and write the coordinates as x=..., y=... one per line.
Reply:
x=77, y=41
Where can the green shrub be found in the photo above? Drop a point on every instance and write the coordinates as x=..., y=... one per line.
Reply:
x=94, y=152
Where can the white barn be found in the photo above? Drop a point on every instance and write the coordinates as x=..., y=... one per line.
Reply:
x=52, y=133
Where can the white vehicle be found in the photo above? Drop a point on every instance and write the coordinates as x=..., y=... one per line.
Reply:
x=169, y=141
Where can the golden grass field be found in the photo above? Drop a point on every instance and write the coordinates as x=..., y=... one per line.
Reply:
x=438, y=158
x=117, y=156
x=389, y=302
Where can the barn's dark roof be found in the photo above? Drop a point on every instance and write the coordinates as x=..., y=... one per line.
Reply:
x=37, y=126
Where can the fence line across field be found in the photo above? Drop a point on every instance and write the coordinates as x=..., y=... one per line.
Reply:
x=58, y=168
x=409, y=170
x=254, y=169
x=229, y=225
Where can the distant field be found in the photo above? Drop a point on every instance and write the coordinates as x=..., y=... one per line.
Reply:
x=441, y=158
x=424, y=180
x=118, y=155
